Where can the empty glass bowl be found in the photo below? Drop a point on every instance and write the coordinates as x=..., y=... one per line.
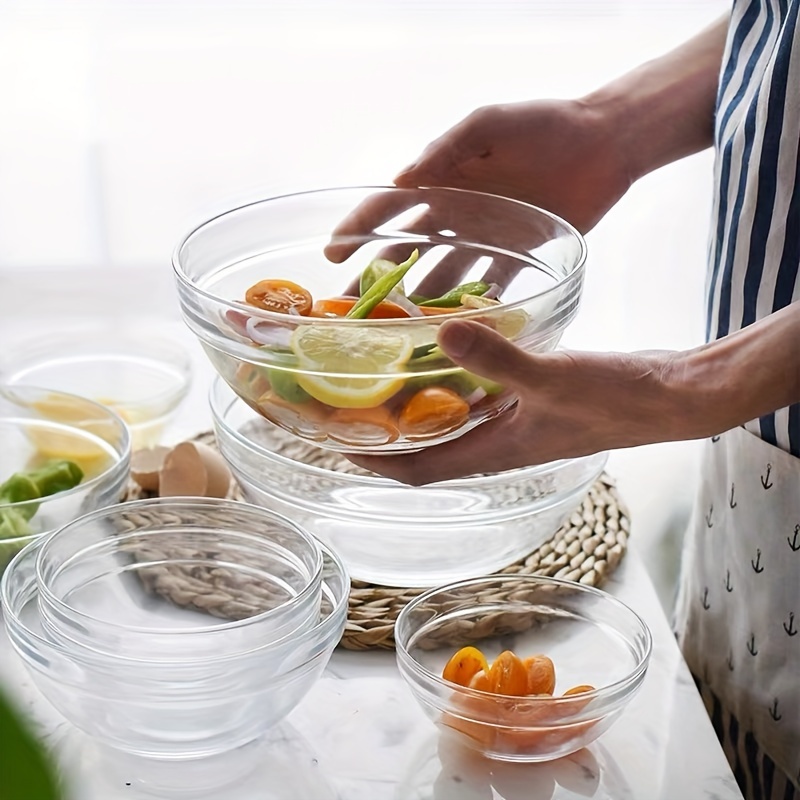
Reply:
x=172, y=710
x=178, y=579
x=373, y=384
x=599, y=647
x=389, y=533
x=141, y=375
x=39, y=430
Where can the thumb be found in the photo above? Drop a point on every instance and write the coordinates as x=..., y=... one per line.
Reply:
x=484, y=351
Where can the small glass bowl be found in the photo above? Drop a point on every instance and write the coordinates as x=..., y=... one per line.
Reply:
x=142, y=376
x=374, y=385
x=592, y=638
x=38, y=426
x=178, y=579
x=389, y=533
x=172, y=710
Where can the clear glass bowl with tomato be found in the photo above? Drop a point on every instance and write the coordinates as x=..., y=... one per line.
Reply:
x=522, y=667
x=321, y=309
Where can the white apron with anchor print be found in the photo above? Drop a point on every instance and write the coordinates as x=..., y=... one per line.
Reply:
x=738, y=614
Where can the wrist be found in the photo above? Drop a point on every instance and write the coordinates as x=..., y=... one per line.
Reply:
x=737, y=378
x=663, y=110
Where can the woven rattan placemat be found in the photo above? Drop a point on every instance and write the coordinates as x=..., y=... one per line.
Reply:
x=587, y=548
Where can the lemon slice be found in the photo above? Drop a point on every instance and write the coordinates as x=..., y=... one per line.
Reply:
x=510, y=324
x=85, y=441
x=355, y=362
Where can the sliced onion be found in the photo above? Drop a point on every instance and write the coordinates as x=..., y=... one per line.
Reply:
x=475, y=396
x=398, y=298
x=263, y=332
x=493, y=292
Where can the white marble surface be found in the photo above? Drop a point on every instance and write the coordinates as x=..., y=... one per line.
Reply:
x=359, y=733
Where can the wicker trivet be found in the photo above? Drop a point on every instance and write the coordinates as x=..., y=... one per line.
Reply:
x=587, y=548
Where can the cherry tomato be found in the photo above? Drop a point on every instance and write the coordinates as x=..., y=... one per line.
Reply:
x=582, y=689
x=464, y=665
x=279, y=295
x=432, y=410
x=508, y=676
x=339, y=306
x=541, y=674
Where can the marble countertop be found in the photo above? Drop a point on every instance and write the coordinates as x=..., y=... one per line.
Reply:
x=359, y=734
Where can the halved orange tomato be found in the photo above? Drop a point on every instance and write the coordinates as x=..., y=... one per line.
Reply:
x=432, y=410
x=282, y=296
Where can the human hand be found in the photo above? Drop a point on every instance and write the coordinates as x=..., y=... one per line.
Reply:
x=558, y=155
x=569, y=404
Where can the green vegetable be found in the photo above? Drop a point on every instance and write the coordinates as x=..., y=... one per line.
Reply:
x=373, y=272
x=52, y=477
x=452, y=298
x=285, y=385
x=28, y=771
x=425, y=350
x=381, y=288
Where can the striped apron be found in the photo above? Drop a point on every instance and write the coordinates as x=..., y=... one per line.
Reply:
x=738, y=609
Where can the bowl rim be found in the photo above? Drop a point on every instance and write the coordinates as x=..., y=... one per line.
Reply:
x=434, y=321
x=431, y=679
x=17, y=628
x=135, y=335
x=121, y=463
x=518, y=473
x=153, y=502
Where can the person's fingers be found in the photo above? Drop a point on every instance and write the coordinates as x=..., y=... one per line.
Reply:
x=376, y=211
x=503, y=270
x=452, y=459
x=484, y=351
x=448, y=273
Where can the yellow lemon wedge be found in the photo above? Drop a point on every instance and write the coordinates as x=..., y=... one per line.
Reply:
x=353, y=365
x=79, y=434
x=509, y=324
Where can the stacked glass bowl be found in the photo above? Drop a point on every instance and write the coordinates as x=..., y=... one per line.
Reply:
x=338, y=384
x=176, y=628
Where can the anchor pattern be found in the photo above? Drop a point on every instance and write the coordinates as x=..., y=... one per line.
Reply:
x=750, y=562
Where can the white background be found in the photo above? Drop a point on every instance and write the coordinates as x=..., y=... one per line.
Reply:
x=124, y=123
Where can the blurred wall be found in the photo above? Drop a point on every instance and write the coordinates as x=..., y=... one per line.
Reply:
x=124, y=123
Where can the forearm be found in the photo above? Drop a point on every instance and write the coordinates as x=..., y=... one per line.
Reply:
x=742, y=376
x=664, y=110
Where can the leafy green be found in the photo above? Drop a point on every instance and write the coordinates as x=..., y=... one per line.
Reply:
x=27, y=772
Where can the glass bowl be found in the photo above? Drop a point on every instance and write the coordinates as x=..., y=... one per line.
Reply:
x=599, y=647
x=141, y=375
x=375, y=384
x=389, y=533
x=178, y=579
x=39, y=430
x=172, y=710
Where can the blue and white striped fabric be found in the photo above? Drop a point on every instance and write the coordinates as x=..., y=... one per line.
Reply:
x=755, y=242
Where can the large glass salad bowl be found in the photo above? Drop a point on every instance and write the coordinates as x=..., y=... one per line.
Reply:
x=321, y=309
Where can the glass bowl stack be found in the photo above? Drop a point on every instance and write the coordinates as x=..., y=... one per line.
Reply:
x=389, y=533
x=40, y=429
x=374, y=385
x=178, y=628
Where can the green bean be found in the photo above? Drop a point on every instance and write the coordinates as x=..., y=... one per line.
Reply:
x=452, y=298
x=380, y=289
